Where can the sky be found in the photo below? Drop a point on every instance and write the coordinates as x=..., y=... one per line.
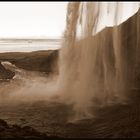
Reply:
x=48, y=20
x=32, y=19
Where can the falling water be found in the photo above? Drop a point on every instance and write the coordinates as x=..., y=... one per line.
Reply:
x=94, y=65
x=98, y=62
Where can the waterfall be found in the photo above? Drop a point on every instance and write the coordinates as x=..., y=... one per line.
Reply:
x=94, y=65
x=98, y=62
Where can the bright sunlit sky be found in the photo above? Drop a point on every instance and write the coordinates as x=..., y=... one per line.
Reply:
x=32, y=19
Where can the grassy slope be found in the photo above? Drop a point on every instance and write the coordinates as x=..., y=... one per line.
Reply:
x=43, y=61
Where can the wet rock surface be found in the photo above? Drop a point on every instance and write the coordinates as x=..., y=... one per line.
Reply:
x=44, y=119
x=15, y=131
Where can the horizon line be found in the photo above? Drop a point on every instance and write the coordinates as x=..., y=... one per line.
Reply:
x=33, y=37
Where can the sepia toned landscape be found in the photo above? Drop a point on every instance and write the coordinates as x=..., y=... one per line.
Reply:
x=83, y=85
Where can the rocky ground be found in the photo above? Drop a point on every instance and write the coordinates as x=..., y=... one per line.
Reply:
x=39, y=61
x=42, y=119
x=15, y=131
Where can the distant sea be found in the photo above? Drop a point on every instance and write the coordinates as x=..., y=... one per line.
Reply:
x=29, y=45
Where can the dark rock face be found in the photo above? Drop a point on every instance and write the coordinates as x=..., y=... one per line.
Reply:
x=5, y=74
x=16, y=131
x=125, y=38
